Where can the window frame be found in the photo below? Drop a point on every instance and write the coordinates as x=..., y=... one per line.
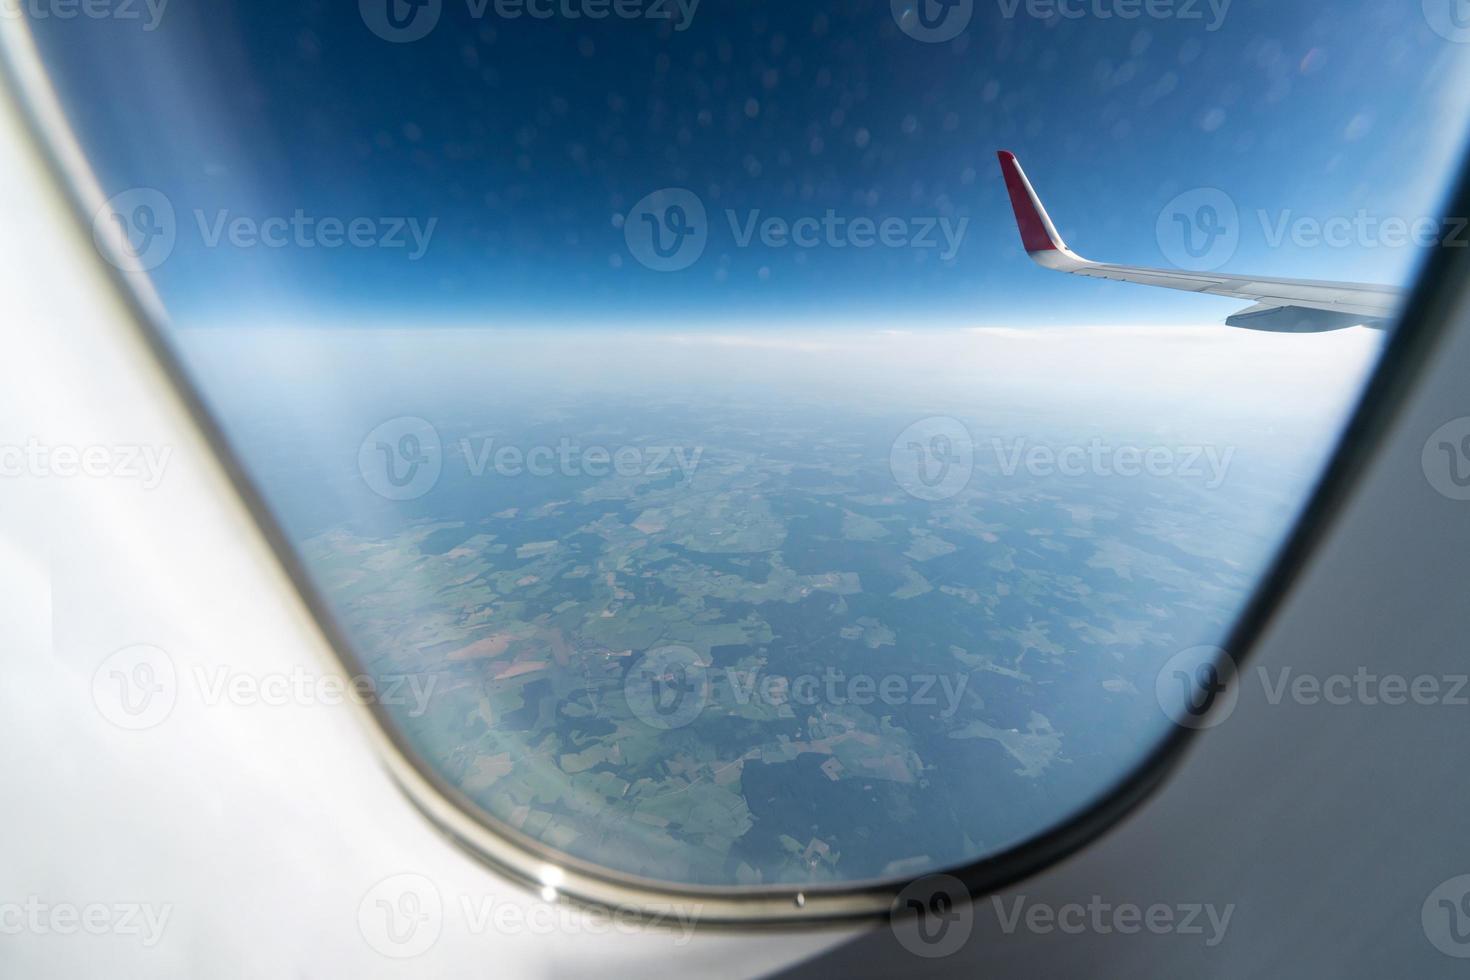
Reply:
x=1423, y=324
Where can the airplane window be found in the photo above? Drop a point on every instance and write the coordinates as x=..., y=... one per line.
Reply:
x=770, y=446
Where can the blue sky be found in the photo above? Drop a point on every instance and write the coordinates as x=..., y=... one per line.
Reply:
x=528, y=142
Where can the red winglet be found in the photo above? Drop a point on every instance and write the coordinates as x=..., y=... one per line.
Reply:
x=1037, y=233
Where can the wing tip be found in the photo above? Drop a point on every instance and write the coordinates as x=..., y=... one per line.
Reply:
x=1037, y=232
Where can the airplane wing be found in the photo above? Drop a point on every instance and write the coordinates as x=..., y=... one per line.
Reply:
x=1281, y=305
